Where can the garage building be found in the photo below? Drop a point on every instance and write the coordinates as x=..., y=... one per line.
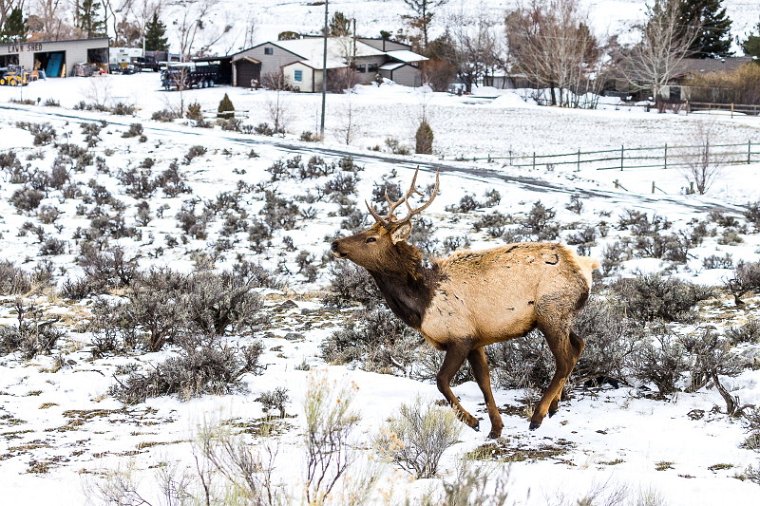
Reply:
x=58, y=57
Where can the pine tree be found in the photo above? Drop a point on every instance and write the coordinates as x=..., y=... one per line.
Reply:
x=751, y=44
x=89, y=20
x=155, y=32
x=714, y=38
x=14, y=28
x=340, y=25
x=422, y=17
x=424, y=139
x=225, y=110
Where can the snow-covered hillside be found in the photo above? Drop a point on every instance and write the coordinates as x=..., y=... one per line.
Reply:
x=269, y=18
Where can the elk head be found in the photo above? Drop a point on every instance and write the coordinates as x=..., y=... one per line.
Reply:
x=383, y=247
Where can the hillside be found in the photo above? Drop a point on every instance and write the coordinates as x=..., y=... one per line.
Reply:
x=110, y=374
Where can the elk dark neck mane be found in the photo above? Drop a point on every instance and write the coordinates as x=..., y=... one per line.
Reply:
x=410, y=286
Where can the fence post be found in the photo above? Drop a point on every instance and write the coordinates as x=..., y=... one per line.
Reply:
x=579, y=160
x=749, y=151
x=534, y=160
x=653, y=187
x=666, y=159
x=622, y=157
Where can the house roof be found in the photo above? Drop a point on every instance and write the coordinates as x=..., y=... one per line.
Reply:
x=392, y=65
x=405, y=56
x=696, y=66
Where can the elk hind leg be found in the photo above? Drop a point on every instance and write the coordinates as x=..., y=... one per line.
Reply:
x=455, y=355
x=559, y=343
x=479, y=365
x=577, y=344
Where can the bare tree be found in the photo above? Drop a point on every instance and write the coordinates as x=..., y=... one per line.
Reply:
x=704, y=163
x=142, y=11
x=48, y=23
x=665, y=42
x=249, y=38
x=551, y=43
x=423, y=16
x=477, y=51
x=348, y=129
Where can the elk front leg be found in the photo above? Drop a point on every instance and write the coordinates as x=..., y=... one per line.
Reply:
x=479, y=365
x=455, y=355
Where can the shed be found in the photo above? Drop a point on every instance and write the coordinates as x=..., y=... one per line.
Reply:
x=57, y=57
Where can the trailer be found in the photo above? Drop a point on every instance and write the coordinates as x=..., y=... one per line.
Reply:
x=181, y=76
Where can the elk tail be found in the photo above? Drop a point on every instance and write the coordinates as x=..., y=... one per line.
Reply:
x=587, y=266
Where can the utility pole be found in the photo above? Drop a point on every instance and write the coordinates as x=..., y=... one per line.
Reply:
x=324, y=78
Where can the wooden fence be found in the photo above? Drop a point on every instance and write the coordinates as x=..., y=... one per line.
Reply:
x=732, y=109
x=623, y=158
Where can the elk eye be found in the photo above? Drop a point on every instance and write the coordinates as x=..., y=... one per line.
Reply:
x=371, y=239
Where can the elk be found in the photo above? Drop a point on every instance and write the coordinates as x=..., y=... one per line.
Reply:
x=462, y=303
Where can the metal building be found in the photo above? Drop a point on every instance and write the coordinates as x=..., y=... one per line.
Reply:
x=57, y=57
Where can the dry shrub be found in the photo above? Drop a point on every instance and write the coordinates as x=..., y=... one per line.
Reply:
x=651, y=297
x=438, y=74
x=610, y=338
x=377, y=339
x=522, y=363
x=416, y=438
x=33, y=334
x=204, y=366
x=13, y=280
x=350, y=284
x=746, y=279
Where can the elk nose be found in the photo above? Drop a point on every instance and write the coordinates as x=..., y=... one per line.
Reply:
x=334, y=246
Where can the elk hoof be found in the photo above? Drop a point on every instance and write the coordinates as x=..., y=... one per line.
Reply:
x=494, y=434
x=534, y=425
x=476, y=427
x=553, y=412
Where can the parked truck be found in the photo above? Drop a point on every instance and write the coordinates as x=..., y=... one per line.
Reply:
x=181, y=76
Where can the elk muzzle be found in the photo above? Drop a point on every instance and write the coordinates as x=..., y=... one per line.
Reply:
x=335, y=248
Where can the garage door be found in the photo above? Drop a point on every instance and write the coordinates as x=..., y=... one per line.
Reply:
x=246, y=71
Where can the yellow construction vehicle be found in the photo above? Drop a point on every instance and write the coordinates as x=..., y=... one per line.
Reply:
x=14, y=77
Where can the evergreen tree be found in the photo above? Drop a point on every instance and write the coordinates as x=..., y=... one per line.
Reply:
x=714, y=38
x=424, y=11
x=155, y=31
x=14, y=28
x=424, y=139
x=89, y=20
x=340, y=25
x=225, y=110
x=751, y=44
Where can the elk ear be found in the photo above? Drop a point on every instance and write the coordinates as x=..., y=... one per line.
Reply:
x=401, y=233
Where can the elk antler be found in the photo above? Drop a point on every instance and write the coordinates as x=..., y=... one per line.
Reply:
x=393, y=205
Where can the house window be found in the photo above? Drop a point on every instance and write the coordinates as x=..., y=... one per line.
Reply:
x=361, y=68
x=372, y=67
x=298, y=75
x=268, y=50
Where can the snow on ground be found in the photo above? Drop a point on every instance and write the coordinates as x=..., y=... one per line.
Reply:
x=61, y=431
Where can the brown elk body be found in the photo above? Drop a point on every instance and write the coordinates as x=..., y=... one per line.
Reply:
x=471, y=299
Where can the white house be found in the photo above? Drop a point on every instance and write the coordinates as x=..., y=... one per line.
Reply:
x=299, y=62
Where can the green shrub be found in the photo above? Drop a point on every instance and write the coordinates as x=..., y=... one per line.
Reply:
x=226, y=110
x=424, y=139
